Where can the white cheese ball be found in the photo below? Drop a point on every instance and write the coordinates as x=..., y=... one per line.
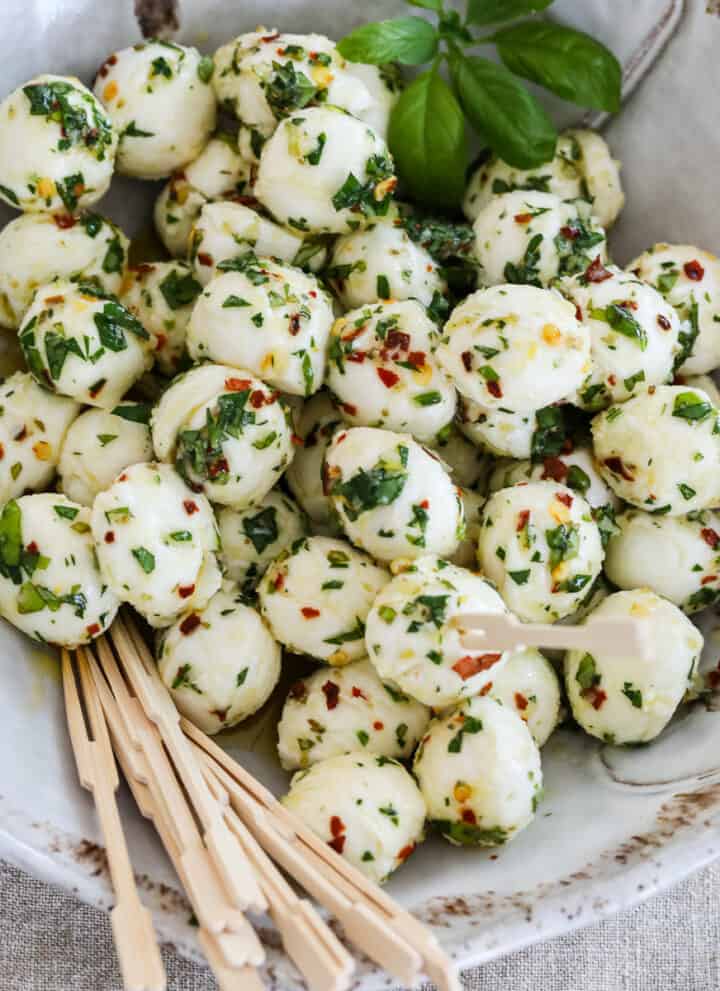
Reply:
x=479, y=773
x=98, y=446
x=532, y=238
x=57, y=146
x=466, y=554
x=336, y=712
x=83, y=344
x=413, y=642
x=628, y=699
x=468, y=465
x=499, y=431
x=36, y=248
x=577, y=469
x=368, y=808
x=160, y=100
x=383, y=83
x=252, y=538
x=219, y=662
x=689, y=279
x=156, y=542
x=634, y=334
x=660, y=451
x=325, y=172
x=527, y=683
x=600, y=173
x=541, y=547
x=316, y=597
x=270, y=318
x=50, y=585
x=393, y=497
x=316, y=425
x=33, y=426
x=515, y=347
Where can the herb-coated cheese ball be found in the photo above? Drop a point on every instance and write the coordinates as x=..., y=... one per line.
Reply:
x=219, y=662
x=600, y=173
x=83, y=344
x=533, y=238
x=469, y=466
x=98, y=445
x=466, y=554
x=660, y=451
x=156, y=542
x=627, y=699
x=226, y=433
x=160, y=100
x=316, y=597
x=368, y=808
x=541, y=547
x=267, y=317
x=393, y=497
x=316, y=425
x=479, y=773
x=576, y=469
x=689, y=279
x=528, y=684
x=325, y=172
x=335, y=712
x=50, y=585
x=383, y=83
x=515, y=347
x=33, y=425
x=411, y=638
x=57, y=146
x=504, y=433
x=36, y=248
x=252, y=538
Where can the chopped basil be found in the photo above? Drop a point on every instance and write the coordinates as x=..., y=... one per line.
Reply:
x=691, y=406
x=134, y=412
x=467, y=834
x=564, y=543
x=133, y=131
x=144, y=558
x=357, y=633
x=383, y=287
x=179, y=290
x=633, y=694
x=240, y=680
x=526, y=271
x=233, y=301
x=586, y=674
x=686, y=491
x=520, y=577
x=205, y=68
x=114, y=257
x=549, y=435
x=470, y=726
x=577, y=479
x=261, y=529
x=427, y=399
x=66, y=512
x=620, y=318
x=368, y=489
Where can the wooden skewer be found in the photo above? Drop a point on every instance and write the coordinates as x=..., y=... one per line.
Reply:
x=137, y=947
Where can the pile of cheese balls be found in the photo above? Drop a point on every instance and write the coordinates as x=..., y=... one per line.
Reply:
x=366, y=421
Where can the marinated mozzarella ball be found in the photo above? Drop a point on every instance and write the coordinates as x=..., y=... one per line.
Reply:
x=57, y=146
x=576, y=469
x=316, y=597
x=252, y=538
x=316, y=425
x=541, y=547
x=383, y=83
x=160, y=100
x=393, y=497
x=413, y=642
x=466, y=554
x=33, y=425
x=269, y=318
x=660, y=451
x=600, y=173
x=528, y=684
x=333, y=713
x=533, y=238
x=156, y=542
x=50, y=585
x=630, y=699
x=515, y=347
x=219, y=662
x=36, y=248
x=325, y=172
x=368, y=808
x=500, y=431
x=689, y=279
x=97, y=447
x=479, y=773
x=469, y=466
x=226, y=433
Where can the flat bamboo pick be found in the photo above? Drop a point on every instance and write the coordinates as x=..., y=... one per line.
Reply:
x=137, y=948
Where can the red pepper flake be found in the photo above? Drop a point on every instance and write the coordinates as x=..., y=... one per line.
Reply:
x=651, y=390
x=578, y=313
x=358, y=693
x=279, y=581
x=486, y=688
x=297, y=440
x=2, y=452
x=388, y=378
x=337, y=843
x=349, y=409
x=313, y=293
x=569, y=233
x=64, y=221
x=520, y=701
x=617, y=467
x=309, y=612
x=160, y=341
x=53, y=300
x=708, y=579
x=21, y=434
x=468, y=666
x=271, y=37
x=468, y=816
x=710, y=536
x=406, y=852
x=219, y=467
x=294, y=327
x=93, y=629
x=221, y=714
x=663, y=322
x=331, y=691
x=337, y=826
x=629, y=304
x=377, y=725
x=565, y=498
x=32, y=548
x=467, y=360
x=397, y=340
x=694, y=270
x=523, y=218
x=185, y=591
x=123, y=477
x=612, y=379
x=425, y=504
x=597, y=698
x=494, y=389
x=523, y=518
x=237, y=385
x=205, y=259
x=97, y=389
x=189, y=505
x=257, y=399
x=357, y=357
x=298, y=691
x=109, y=537
x=596, y=271
x=555, y=469
x=190, y=624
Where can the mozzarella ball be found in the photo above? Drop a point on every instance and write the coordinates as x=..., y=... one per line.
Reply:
x=219, y=662
x=226, y=433
x=156, y=542
x=160, y=100
x=532, y=238
x=576, y=469
x=468, y=465
x=98, y=446
x=316, y=425
x=479, y=773
x=515, y=347
x=325, y=172
x=50, y=585
x=333, y=713
x=269, y=318
x=367, y=808
x=393, y=497
x=600, y=174
x=413, y=642
x=466, y=554
x=176, y=209
x=689, y=279
x=629, y=699
x=527, y=684
x=57, y=146
x=83, y=344
x=660, y=451
x=33, y=426
x=499, y=431
x=36, y=248
x=316, y=597
x=541, y=547
x=252, y=538
x=383, y=83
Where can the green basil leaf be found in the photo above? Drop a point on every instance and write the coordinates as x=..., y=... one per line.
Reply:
x=410, y=40
x=494, y=11
x=427, y=4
